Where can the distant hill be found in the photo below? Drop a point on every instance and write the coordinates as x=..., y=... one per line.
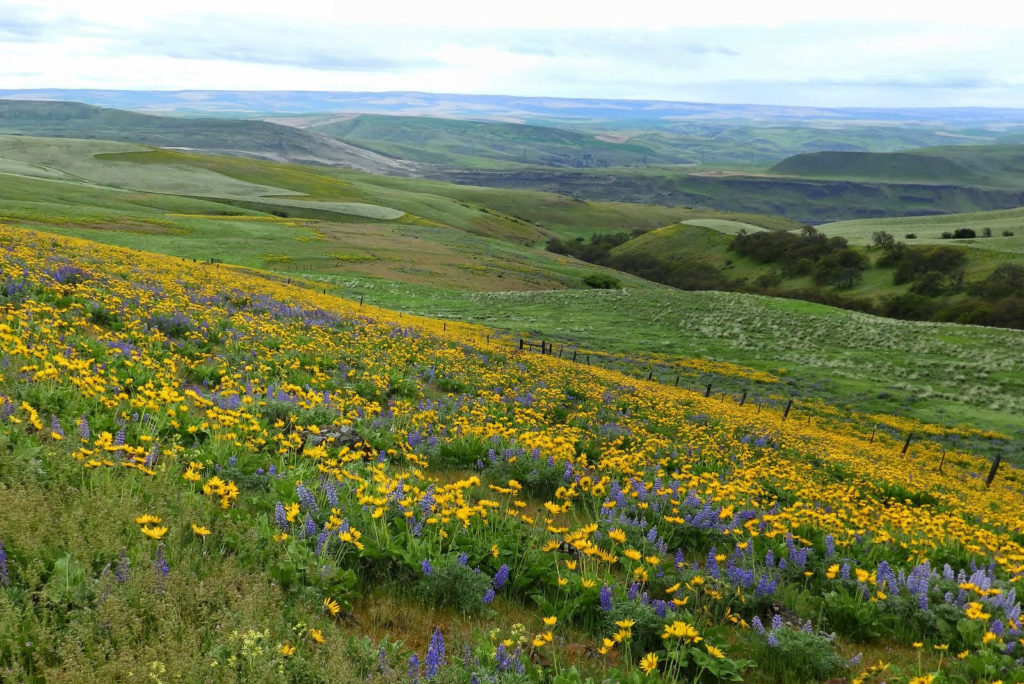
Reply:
x=226, y=136
x=448, y=141
x=982, y=165
x=504, y=107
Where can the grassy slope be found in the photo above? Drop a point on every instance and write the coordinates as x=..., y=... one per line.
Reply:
x=983, y=165
x=372, y=256
x=929, y=229
x=809, y=200
x=468, y=143
x=74, y=120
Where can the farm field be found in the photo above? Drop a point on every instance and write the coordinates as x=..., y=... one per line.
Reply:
x=209, y=474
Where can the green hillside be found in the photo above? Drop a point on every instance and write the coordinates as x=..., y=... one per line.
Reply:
x=233, y=136
x=466, y=143
x=984, y=165
x=930, y=229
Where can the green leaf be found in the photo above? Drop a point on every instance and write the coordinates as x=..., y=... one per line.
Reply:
x=67, y=581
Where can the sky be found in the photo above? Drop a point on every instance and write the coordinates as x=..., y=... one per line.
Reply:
x=865, y=53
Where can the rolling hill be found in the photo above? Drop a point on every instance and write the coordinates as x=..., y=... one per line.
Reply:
x=225, y=136
x=998, y=166
x=467, y=143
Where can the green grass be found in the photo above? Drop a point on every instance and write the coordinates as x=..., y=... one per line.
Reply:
x=945, y=373
x=929, y=229
x=981, y=165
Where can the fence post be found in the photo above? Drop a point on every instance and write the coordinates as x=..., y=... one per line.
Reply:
x=906, y=445
x=743, y=399
x=707, y=392
x=992, y=471
x=521, y=344
x=574, y=355
x=677, y=381
x=360, y=301
x=873, y=434
x=788, y=406
x=943, y=459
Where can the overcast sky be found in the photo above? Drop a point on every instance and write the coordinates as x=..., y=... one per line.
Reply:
x=820, y=53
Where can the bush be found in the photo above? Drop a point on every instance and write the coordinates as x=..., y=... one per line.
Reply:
x=602, y=281
x=795, y=655
x=1007, y=233
x=451, y=584
x=911, y=236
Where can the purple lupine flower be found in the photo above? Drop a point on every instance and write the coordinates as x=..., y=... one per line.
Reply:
x=773, y=640
x=310, y=527
x=712, y=566
x=830, y=545
x=606, y=598
x=567, y=473
x=124, y=567
x=634, y=589
x=120, y=437
x=500, y=577
x=776, y=622
x=855, y=660
x=322, y=541
x=427, y=502
x=997, y=627
x=280, y=517
x=306, y=498
x=769, y=559
x=414, y=667
x=463, y=559
x=844, y=572
x=272, y=470
x=502, y=660
x=332, y=494
x=55, y=426
x=160, y=563
x=4, y=578
x=426, y=567
x=660, y=608
x=435, y=654
x=488, y=596
x=757, y=624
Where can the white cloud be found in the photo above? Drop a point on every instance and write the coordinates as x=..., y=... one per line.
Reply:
x=869, y=53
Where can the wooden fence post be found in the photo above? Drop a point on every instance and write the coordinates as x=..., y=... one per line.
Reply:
x=522, y=344
x=993, y=469
x=677, y=381
x=788, y=406
x=943, y=459
x=707, y=392
x=906, y=445
x=743, y=399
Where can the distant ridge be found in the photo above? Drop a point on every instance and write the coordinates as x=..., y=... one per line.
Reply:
x=240, y=137
x=497, y=107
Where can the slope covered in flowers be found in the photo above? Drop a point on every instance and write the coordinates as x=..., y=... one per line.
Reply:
x=221, y=418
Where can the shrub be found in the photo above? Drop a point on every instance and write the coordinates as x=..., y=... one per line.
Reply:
x=450, y=583
x=602, y=281
x=796, y=655
x=911, y=236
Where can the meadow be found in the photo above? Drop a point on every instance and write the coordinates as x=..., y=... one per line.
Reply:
x=208, y=474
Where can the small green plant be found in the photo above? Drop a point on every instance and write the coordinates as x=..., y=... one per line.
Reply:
x=602, y=281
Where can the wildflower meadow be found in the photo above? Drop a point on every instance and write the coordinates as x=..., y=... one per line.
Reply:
x=208, y=474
